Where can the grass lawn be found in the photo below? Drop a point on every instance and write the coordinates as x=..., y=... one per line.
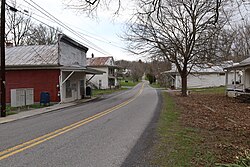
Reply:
x=177, y=145
x=96, y=92
x=129, y=83
x=156, y=85
x=14, y=110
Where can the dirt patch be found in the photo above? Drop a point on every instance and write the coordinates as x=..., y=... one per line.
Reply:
x=223, y=123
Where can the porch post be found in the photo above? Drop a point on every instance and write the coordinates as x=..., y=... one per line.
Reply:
x=244, y=79
x=234, y=79
x=226, y=81
x=176, y=81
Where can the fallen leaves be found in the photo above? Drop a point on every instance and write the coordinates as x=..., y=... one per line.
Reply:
x=224, y=122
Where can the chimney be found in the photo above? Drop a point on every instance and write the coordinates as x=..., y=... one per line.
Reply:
x=92, y=55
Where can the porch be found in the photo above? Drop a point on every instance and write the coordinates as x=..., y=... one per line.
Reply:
x=73, y=82
x=239, y=83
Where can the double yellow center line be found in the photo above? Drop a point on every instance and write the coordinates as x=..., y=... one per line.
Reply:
x=21, y=147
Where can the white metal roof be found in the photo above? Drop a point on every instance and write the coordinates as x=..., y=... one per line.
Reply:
x=203, y=69
x=32, y=55
x=246, y=61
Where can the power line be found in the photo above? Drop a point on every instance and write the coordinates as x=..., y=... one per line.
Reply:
x=51, y=27
x=101, y=39
x=53, y=18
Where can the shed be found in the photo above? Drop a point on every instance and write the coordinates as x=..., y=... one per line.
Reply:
x=199, y=77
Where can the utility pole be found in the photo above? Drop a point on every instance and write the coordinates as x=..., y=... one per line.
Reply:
x=2, y=57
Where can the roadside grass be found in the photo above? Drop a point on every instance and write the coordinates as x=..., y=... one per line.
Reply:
x=128, y=83
x=210, y=90
x=155, y=85
x=177, y=145
x=14, y=110
x=11, y=113
x=97, y=92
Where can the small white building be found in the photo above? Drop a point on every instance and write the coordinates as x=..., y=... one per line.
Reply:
x=108, y=79
x=240, y=84
x=207, y=76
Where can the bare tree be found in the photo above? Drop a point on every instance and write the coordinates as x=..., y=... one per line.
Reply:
x=91, y=6
x=157, y=68
x=137, y=70
x=241, y=45
x=42, y=35
x=178, y=30
x=17, y=26
x=231, y=43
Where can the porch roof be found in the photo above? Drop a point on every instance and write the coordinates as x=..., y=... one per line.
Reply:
x=237, y=66
x=87, y=70
x=199, y=70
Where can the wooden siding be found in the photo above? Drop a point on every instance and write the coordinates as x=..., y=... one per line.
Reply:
x=40, y=80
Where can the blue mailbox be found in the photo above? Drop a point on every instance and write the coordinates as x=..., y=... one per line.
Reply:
x=45, y=98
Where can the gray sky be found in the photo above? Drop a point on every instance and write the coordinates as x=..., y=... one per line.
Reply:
x=102, y=33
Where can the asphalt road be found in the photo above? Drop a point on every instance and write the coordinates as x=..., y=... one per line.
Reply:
x=102, y=133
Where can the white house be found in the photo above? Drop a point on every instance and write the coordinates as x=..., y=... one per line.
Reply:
x=106, y=80
x=240, y=84
x=207, y=76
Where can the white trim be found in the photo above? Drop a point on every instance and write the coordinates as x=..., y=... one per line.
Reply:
x=68, y=77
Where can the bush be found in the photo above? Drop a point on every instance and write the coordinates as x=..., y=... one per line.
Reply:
x=151, y=78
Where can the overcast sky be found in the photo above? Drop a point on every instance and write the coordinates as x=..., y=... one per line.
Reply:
x=102, y=33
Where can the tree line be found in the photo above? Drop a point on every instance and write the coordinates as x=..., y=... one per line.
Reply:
x=21, y=30
x=152, y=70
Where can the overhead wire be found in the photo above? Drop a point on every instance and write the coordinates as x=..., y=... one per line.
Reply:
x=25, y=13
x=96, y=48
x=57, y=21
x=92, y=36
x=55, y=29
